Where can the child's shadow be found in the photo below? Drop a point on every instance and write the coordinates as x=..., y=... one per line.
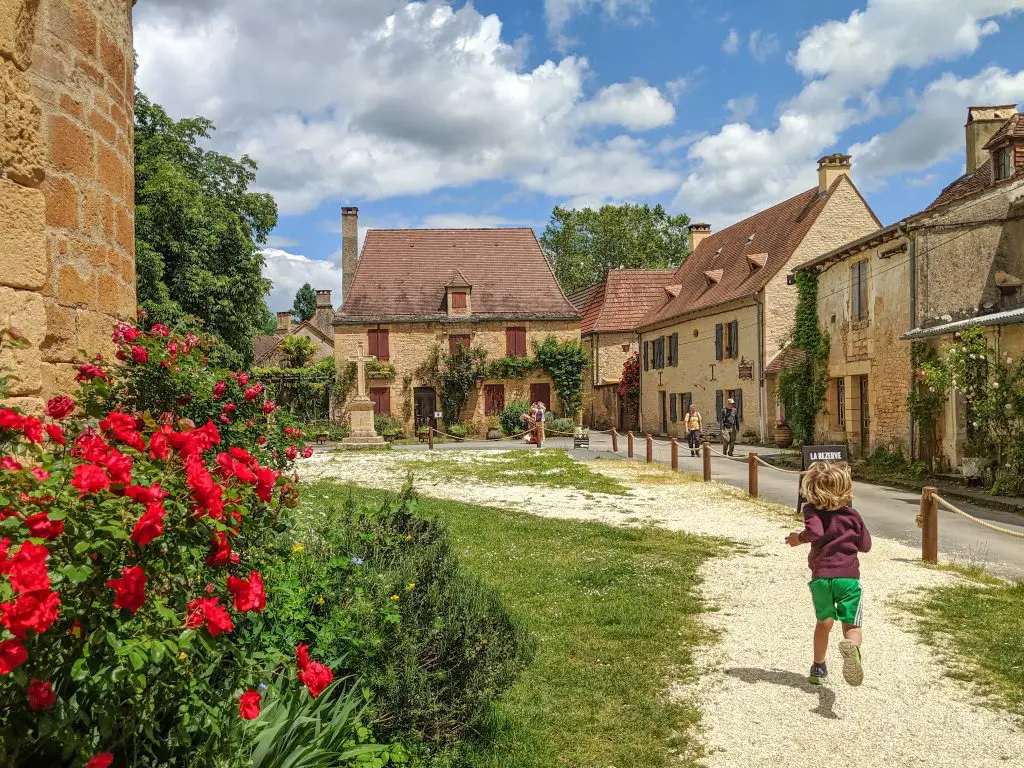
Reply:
x=826, y=696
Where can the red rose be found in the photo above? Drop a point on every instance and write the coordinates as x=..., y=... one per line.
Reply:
x=88, y=372
x=102, y=760
x=42, y=527
x=208, y=496
x=140, y=355
x=12, y=656
x=41, y=695
x=220, y=553
x=253, y=392
x=11, y=420
x=89, y=478
x=243, y=379
x=316, y=677
x=56, y=433
x=33, y=429
x=302, y=656
x=291, y=453
x=124, y=428
x=269, y=406
x=209, y=609
x=27, y=569
x=129, y=590
x=59, y=407
x=145, y=494
x=40, y=474
x=307, y=451
x=249, y=594
x=125, y=333
x=90, y=447
x=219, y=389
x=151, y=525
x=119, y=467
x=265, y=480
x=33, y=610
x=158, y=447
x=249, y=705
x=160, y=330
x=10, y=464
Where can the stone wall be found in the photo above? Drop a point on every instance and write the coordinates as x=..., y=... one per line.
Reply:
x=410, y=344
x=67, y=264
x=608, y=353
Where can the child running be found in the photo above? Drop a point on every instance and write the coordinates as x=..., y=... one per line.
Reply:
x=836, y=534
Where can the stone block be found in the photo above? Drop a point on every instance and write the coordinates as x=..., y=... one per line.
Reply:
x=71, y=148
x=126, y=299
x=112, y=56
x=94, y=334
x=61, y=341
x=75, y=23
x=74, y=289
x=93, y=201
x=58, y=378
x=112, y=171
x=109, y=301
x=103, y=127
x=125, y=229
x=71, y=106
x=24, y=311
x=23, y=256
x=61, y=203
x=21, y=149
x=88, y=74
x=17, y=30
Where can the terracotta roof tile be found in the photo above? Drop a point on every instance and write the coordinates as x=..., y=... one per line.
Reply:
x=785, y=358
x=619, y=302
x=263, y=346
x=777, y=232
x=1012, y=129
x=402, y=275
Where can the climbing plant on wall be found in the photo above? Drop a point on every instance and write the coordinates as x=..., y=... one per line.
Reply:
x=803, y=384
x=453, y=376
x=928, y=395
x=565, y=362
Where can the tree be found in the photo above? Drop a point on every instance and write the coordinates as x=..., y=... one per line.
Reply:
x=198, y=230
x=584, y=244
x=297, y=352
x=305, y=303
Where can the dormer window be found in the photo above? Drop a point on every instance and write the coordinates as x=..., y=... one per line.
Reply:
x=1003, y=163
x=459, y=292
x=757, y=260
x=458, y=299
x=714, y=277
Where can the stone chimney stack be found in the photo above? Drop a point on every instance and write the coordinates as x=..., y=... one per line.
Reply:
x=323, y=299
x=284, y=323
x=697, y=233
x=349, y=247
x=830, y=168
x=982, y=124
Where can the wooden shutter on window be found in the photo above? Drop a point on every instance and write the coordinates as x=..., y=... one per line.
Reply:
x=718, y=342
x=515, y=342
x=672, y=414
x=455, y=340
x=673, y=350
x=371, y=343
x=738, y=397
x=687, y=398
x=458, y=300
x=719, y=404
x=381, y=398
x=734, y=338
x=383, y=347
x=647, y=355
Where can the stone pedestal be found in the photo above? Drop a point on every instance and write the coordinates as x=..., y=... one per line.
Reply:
x=363, y=431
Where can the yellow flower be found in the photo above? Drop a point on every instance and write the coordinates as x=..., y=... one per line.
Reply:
x=408, y=538
x=298, y=548
x=182, y=656
x=320, y=600
x=394, y=598
x=412, y=585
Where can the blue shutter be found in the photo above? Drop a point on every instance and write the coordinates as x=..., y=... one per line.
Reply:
x=672, y=407
x=718, y=341
x=647, y=355
x=719, y=404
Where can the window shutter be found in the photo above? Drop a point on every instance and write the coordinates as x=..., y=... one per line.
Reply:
x=458, y=300
x=674, y=354
x=371, y=343
x=383, y=348
x=687, y=401
x=520, y=342
x=719, y=403
x=738, y=397
x=718, y=341
x=509, y=341
x=647, y=345
x=672, y=407
x=734, y=329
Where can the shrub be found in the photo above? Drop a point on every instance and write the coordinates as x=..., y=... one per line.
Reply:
x=510, y=417
x=387, y=425
x=382, y=589
x=457, y=430
x=131, y=551
x=562, y=426
x=297, y=351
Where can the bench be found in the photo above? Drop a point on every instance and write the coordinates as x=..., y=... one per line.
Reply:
x=322, y=438
x=711, y=433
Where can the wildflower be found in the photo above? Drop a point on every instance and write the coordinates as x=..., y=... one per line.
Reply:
x=394, y=598
x=40, y=695
x=129, y=590
x=357, y=561
x=320, y=600
x=249, y=705
x=182, y=656
x=412, y=585
x=298, y=548
x=995, y=385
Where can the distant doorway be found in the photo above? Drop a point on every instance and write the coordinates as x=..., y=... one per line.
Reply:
x=425, y=400
x=541, y=393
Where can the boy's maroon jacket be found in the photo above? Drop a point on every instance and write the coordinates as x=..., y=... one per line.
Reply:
x=835, y=536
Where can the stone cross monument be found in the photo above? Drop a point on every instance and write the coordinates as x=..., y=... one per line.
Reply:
x=361, y=408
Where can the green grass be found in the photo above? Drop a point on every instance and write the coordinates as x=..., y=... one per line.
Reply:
x=550, y=468
x=979, y=627
x=616, y=616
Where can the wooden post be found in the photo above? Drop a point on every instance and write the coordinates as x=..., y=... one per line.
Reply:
x=675, y=454
x=430, y=438
x=629, y=444
x=540, y=434
x=707, y=463
x=615, y=441
x=650, y=449
x=752, y=474
x=929, y=525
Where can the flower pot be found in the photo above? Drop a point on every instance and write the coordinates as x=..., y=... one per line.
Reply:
x=783, y=436
x=970, y=467
x=494, y=434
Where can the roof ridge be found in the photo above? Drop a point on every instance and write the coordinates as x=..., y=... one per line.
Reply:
x=449, y=229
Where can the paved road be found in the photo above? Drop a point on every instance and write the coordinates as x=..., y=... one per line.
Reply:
x=889, y=512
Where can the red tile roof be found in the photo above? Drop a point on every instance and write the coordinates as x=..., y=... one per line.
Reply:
x=980, y=178
x=774, y=234
x=785, y=358
x=402, y=276
x=622, y=299
x=1011, y=129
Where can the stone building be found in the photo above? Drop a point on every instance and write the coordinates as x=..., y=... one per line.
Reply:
x=319, y=329
x=67, y=232
x=729, y=309
x=611, y=310
x=410, y=291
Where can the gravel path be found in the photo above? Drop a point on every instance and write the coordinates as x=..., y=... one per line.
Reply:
x=758, y=709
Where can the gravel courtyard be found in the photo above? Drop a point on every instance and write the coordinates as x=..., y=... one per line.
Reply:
x=758, y=709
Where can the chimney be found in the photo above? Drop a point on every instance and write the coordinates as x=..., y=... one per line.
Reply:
x=830, y=168
x=697, y=233
x=284, y=323
x=323, y=299
x=982, y=124
x=349, y=248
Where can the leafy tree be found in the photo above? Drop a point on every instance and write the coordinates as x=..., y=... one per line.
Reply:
x=297, y=351
x=584, y=244
x=305, y=303
x=198, y=229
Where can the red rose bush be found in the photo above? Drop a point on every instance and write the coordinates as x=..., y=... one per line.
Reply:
x=135, y=519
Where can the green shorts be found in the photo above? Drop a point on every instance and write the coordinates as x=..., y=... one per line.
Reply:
x=838, y=599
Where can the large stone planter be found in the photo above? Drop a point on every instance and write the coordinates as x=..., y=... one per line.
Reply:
x=970, y=467
x=783, y=437
x=494, y=434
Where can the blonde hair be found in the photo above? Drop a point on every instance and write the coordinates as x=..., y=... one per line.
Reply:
x=828, y=485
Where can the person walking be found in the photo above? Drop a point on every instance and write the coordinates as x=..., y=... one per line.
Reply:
x=730, y=422
x=694, y=425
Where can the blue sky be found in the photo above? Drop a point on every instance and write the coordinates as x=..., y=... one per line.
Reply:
x=487, y=114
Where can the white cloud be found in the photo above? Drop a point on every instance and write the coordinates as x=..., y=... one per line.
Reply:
x=763, y=45
x=924, y=181
x=276, y=241
x=732, y=42
x=288, y=272
x=676, y=88
x=559, y=12
x=376, y=98
x=741, y=107
x=739, y=170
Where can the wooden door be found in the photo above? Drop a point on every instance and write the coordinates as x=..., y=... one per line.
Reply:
x=425, y=400
x=541, y=393
x=381, y=399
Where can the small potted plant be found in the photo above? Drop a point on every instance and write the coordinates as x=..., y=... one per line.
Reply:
x=783, y=433
x=493, y=428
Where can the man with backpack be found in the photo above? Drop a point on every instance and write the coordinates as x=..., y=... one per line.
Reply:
x=730, y=422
